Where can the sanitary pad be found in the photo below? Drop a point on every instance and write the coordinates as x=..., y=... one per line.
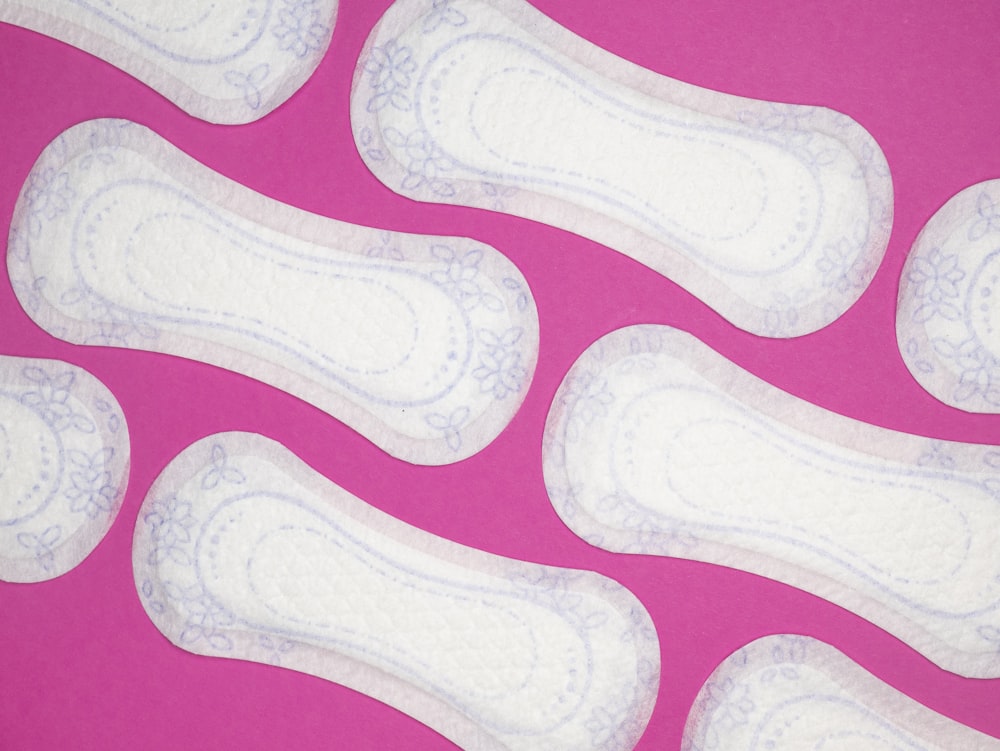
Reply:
x=787, y=693
x=64, y=459
x=948, y=320
x=226, y=62
x=656, y=444
x=241, y=550
x=425, y=345
x=775, y=215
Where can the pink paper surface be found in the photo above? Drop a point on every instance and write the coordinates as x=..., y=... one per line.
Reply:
x=81, y=666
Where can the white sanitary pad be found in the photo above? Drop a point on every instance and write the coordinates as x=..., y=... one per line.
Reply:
x=775, y=215
x=241, y=550
x=657, y=444
x=225, y=62
x=64, y=460
x=789, y=693
x=948, y=320
x=426, y=345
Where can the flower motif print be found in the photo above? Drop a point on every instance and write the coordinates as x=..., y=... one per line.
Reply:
x=989, y=218
x=170, y=522
x=205, y=616
x=299, y=30
x=443, y=13
x=979, y=371
x=50, y=398
x=221, y=471
x=936, y=456
x=424, y=160
x=249, y=83
x=390, y=68
x=936, y=277
x=41, y=545
x=836, y=266
x=450, y=425
x=91, y=491
x=587, y=398
x=459, y=278
x=48, y=196
x=500, y=370
x=733, y=704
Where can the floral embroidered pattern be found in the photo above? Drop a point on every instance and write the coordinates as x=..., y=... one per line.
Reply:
x=48, y=195
x=92, y=491
x=170, y=522
x=935, y=277
x=206, y=618
x=51, y=399
x=459, y=278
x=442, y=12
x=390, y=68
x=220, y=470
x=249, y=83
x=979, y=371
x=450, y=425
x=988, y=212
x=299, y=30
x=41, y=545
x=500, y=370
x=423, y=160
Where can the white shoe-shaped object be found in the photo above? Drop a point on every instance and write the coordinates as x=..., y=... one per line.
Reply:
x=241, y=550
x=775, y=215
x=64, y=465
x=656, y=444
x=788, y=693
x=222, y=62
x=948, y=317
x=425, y=345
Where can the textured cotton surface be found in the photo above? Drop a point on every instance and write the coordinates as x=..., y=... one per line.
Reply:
x=658, y=445
x=775, y=215
x=64, y=459
x=243, y=551
x=792, y=692
x=426, y=345
x=225, y=62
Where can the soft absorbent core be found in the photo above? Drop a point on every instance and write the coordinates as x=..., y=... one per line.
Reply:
x=948, y=319
x=787, y=693
x=241, y=550
x=775, y=215
x=225, y=62
x=64, y=459
x=656, y=444
x=425, y=345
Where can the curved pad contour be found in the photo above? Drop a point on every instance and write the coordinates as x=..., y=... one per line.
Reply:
x=656, y=444
x=225, y=62
x=775, y=215
x=241, y=550
x=948, y=317
x=786, y=693
x=64, y=464
x=425, y=345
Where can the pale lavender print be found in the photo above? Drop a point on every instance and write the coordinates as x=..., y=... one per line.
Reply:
x=425, y=162
x=450, y=425
x=41, y=545
x=390, y=68
x=50, y=398
x=443, y=13
x=170, y=522
x=979, y=371
x=206, y=618
x=988, y=212
x=91, y=490
x=48, y=195
x=299, y=30
x=935, y=277
x=500, y=371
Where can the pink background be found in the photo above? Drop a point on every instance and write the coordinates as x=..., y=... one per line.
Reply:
x=81, y=666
